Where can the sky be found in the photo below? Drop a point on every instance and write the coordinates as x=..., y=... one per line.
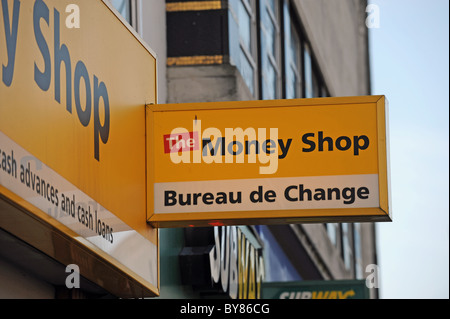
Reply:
x=410, y=66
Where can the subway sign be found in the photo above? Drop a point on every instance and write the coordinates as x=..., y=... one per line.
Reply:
x=316, y=289
x=72, y=127
x=267, y=162
x=225, y=261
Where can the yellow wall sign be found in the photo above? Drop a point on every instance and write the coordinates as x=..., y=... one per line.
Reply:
x=72, y=123
x=259, y=162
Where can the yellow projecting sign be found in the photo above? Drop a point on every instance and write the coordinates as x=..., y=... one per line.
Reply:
x=262, y=162
x=74, y=82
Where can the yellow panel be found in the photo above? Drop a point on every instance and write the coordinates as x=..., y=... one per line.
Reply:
x=329, y=139
x=292, y=123
x=45, y=128
x=75, y=99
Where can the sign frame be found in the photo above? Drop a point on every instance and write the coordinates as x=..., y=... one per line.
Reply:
x=72, y=129
x=202, y=219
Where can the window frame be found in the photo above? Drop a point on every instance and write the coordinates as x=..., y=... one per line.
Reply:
x=347, y=244
x=249, y=53
x=133, y=11
x=274, y=56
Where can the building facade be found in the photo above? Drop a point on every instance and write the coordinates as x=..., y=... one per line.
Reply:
x=245, y=50
x=237, y=50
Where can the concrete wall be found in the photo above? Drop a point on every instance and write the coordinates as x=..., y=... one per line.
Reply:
x=152, y=28
x=338, y=35
x=206, y=84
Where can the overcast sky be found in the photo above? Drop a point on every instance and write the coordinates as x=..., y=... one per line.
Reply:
x=410, y=65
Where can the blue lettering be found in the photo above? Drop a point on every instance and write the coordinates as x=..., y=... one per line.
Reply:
x=62, y=54
x=42, y=79
x=99, y=130
x=81, y=72
x=11, y=39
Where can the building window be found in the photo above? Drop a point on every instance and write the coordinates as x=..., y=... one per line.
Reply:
x=270, y=49
x=302, y=74
x=358, y=252
x=243, y=53
x=293, y=70
x=347, y=247
x=308, y=72
x=314, y=86
x=282, y=51
x=124, y=8
x=332, y=231
x=128, y=10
